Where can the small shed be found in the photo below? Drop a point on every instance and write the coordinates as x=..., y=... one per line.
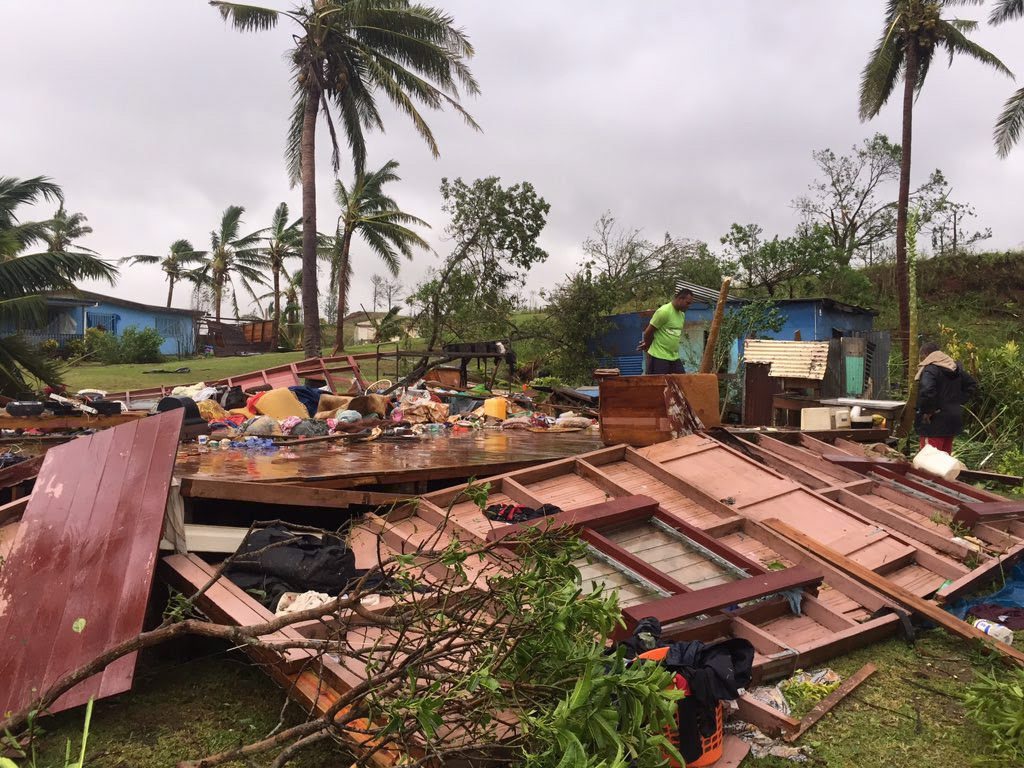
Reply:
x=812, y=319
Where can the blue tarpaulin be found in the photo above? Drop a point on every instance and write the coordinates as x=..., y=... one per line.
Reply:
x=1010, y=596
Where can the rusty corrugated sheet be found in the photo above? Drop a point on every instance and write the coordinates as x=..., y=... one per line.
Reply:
x=789, y=359
x=77, y=581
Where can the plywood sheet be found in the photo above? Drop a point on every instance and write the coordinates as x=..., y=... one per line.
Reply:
x=78, y=578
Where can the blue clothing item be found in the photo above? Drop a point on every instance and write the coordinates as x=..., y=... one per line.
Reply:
x=1010, y=596
x=309, y=397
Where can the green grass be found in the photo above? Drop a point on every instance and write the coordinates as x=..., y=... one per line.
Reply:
x=134, y=376
x=183, y=708
x=185, y=704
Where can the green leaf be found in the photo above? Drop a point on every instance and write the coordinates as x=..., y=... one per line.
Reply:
x=79, y=625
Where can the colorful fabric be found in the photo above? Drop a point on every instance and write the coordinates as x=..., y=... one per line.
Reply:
x=942, y=443
x=668, y=324
x=287, y=425
x=280, y=404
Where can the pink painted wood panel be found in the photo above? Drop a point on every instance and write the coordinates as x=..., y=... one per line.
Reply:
x=85, y=554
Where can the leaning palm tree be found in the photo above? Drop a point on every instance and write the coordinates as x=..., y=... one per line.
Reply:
x=382, y=225
x=175, y=264
x=231, y=255
x=346, y=52
x=914, y=31
x=1010, y=125
x=64, y=229
x=25, y=277
x=281, y=241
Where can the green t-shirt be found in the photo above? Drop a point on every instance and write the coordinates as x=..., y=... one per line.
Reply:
x=668, y=324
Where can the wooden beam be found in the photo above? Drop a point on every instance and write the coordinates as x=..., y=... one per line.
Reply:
x=769, y=720
x=682, y=606
x=977, y=476
x=826, y=705
x=609, y=513
x=13, y=510
x=692, y=492
x=284, y=494
x=907, y=599
x=805, y=457
x=708, y=360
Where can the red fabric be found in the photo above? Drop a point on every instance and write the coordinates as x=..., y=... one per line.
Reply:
x=942, y=443
x=251, y=402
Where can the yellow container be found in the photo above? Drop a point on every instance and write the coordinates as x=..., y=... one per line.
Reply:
x=496, y=407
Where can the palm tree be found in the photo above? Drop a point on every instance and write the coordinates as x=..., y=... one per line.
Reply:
x=345, y=53
x=1011, y=121
x=24, y=278
x=179, y=256
x=282, y=241
x=64, y=228
x=231, y=255
x=383, y=226
x=914, y=30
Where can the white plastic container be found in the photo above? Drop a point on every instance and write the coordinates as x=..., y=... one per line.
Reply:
x=995, y=630
x=816, y=419
x=939, y=463
x=841, y=418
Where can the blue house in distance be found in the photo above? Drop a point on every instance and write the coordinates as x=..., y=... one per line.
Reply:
x=68, y=315
x=815, y=319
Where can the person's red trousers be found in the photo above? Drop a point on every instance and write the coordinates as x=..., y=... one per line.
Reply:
x=942, y=443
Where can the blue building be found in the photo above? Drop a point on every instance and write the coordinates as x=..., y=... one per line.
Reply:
x=68, y=315
x=816, y=319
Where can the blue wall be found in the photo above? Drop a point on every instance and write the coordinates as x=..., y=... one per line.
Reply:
x=814, y=318
x=177, y=329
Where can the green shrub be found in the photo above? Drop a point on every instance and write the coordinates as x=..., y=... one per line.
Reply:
x=132, y=346
x=996, y=704
x=49, y=348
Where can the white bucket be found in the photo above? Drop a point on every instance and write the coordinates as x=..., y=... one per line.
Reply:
x=939, y=463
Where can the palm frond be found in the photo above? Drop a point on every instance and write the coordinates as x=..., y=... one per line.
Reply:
x=1010, y=124
x=140, y=258
x=24, y=311
x=230, y=222
x=41, y=272
x=247, y=18
x=18, y=357
x=955, y=41
x=882, y=72
x=16, y=192
x=1006, y=10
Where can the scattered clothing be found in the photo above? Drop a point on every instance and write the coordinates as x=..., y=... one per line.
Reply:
x=293, y=602
x=309, y=397
x=1009, y=600
x=1012, y=618
x=310, y=428
x=287, y=425
x=261, y=426
x=348, y=416
x=942, y=443
x=211, y=410
x=281, y=403
x=273, y=561
x=518, y=513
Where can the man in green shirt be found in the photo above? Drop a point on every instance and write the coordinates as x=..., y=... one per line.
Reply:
x=662, y=336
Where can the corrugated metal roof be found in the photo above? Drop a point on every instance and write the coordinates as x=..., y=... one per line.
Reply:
x=789, y=359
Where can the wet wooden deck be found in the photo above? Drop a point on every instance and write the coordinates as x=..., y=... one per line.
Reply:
x=346, y=464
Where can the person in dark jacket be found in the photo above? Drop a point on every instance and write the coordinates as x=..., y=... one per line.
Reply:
x=943, y=388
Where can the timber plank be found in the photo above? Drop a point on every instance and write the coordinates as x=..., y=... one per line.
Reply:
x=827, y=704
x=284, y=494
x=905, y=598
x=85, y=550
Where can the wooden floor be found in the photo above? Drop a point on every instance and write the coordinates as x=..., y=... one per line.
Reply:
x=347, y=464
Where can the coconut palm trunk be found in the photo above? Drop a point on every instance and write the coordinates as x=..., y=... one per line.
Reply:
x=170, y=291
x=310, y=308
x=276, y=333
x=343, y=285
x=903, y=203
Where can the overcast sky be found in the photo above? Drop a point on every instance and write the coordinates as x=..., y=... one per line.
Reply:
x=675, y=115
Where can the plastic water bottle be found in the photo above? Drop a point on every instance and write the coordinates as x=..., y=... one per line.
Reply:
x=996, y=630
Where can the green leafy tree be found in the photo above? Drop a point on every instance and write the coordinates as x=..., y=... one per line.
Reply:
x=914, y=30
x=494, y=231
x=26, y=277
x=384, y=228
x=175, y=264
x=281, y=241
x=231, y=255
x=1011, y=122
x=345, y=55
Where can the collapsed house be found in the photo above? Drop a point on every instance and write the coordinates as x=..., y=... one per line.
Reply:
x=805, y=548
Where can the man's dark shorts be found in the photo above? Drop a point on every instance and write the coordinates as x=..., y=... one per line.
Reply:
x=656, y=366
